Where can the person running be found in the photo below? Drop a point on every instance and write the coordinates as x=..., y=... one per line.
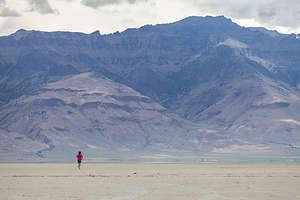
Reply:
x=79, y=159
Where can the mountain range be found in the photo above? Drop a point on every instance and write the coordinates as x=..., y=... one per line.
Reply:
x=203, y=85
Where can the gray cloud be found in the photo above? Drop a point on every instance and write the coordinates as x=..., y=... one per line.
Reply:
x=2, y=3
x=67, y=0
x=101, y=3
x=7, y=12
x=267, y=12
x=41, y=6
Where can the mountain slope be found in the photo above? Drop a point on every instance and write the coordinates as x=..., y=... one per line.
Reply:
x=90, y=112
x=202, y=84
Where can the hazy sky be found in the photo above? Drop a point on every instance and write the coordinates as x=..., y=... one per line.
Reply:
x=116, y=15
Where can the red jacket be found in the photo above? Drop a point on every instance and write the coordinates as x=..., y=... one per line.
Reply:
x=79, y=157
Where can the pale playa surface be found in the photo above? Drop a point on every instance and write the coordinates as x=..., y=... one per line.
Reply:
x=149, y=181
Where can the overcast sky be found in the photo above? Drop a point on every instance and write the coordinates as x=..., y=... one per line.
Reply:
x=109, y=16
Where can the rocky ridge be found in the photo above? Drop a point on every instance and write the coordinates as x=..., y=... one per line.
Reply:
x=202, y=84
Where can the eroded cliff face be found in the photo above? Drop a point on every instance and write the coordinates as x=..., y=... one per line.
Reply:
x=199, y=84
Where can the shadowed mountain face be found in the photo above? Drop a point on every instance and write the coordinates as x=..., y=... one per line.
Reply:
x=202, y=84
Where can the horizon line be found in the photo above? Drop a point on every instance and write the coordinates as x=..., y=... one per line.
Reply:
x=129, y=28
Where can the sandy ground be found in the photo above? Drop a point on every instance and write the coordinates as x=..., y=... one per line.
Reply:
x=149, y=181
